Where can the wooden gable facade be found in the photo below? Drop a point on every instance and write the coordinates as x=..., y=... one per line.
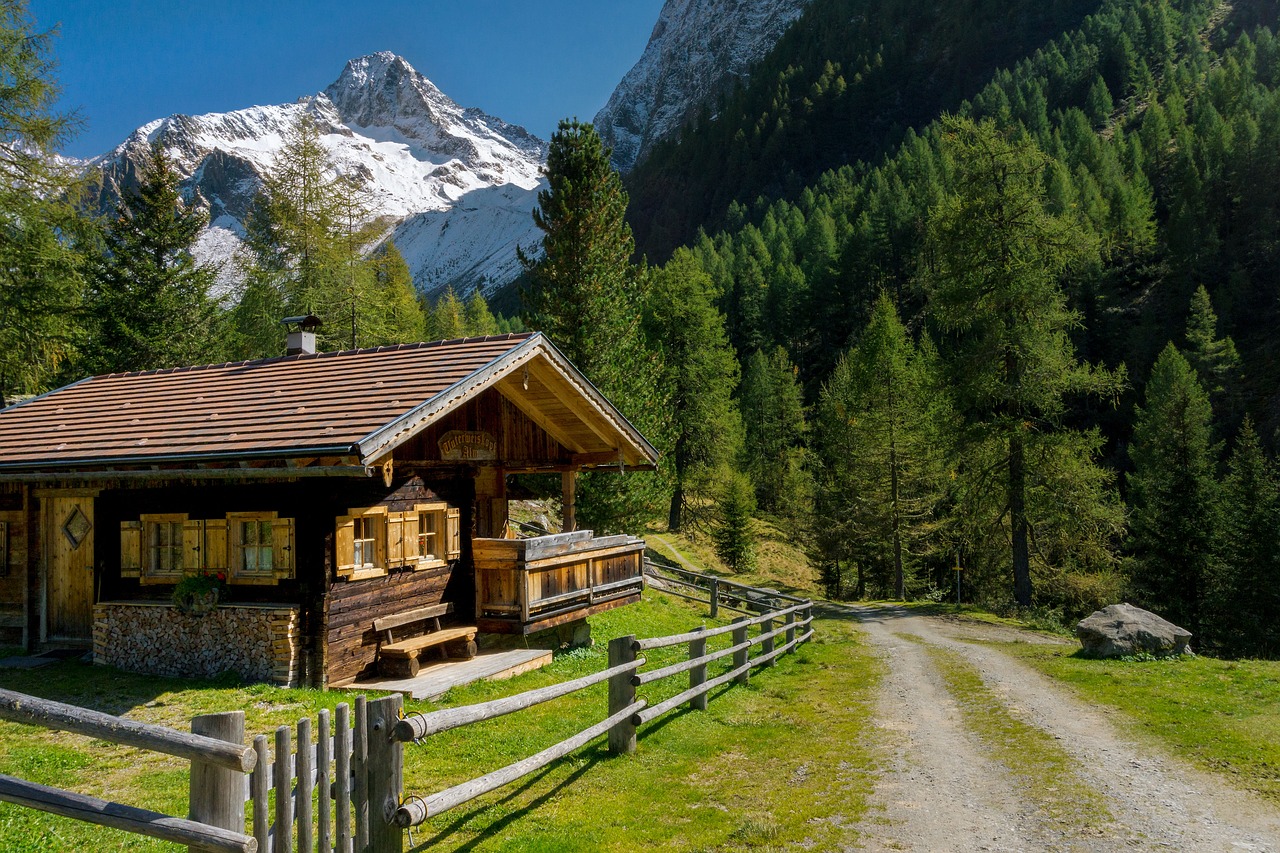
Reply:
x=327, y=491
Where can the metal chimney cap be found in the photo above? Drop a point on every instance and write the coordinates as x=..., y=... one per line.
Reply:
x=307, y=322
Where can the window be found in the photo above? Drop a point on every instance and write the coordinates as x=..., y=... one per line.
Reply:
x=162, y=543
x=368, y=542
x=261, y=547
x=360, y=543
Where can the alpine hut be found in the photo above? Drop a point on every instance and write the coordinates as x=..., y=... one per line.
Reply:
x=325, y=497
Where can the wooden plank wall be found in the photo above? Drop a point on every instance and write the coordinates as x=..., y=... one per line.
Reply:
x=13, y=566
x=520, y=440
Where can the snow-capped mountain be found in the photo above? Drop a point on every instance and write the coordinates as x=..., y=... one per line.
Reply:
x=454, y=186
x=698, y=49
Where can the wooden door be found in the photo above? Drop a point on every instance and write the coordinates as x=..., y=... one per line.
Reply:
x=68, y=548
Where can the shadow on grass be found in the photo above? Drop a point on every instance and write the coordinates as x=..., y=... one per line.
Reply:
x=590, y=760
x=101, y=688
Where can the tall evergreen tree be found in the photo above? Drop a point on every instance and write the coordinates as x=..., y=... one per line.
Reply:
x=734, y=535
x=1215, y=359
x=1173, y=493
x=480, y=320
x=148, y=303
x=448, y=317
x=1244, y=593
x=394, y=314
x=585, y=293
x=700, y=373
x=773, y=424
x=882, y=428
x=40, y=271
x=994, y=260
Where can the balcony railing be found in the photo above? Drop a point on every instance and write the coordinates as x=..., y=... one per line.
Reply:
x=525, y=585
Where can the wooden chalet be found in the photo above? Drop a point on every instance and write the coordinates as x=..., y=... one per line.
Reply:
x=350, y=500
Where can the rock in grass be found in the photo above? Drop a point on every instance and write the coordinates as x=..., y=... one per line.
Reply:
x=1122, y=630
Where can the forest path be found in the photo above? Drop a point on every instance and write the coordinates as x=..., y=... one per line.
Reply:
x=943, y=787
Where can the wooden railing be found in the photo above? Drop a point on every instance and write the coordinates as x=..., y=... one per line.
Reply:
x=316, y=797
x=521, y=583
x=626, y=710
x=715, y=591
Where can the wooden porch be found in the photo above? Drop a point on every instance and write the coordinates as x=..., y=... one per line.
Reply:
x=527, y=585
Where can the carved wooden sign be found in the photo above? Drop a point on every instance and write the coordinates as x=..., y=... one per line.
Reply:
x=468, y=446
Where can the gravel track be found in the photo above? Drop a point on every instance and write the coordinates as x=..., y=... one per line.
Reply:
x=941, y=790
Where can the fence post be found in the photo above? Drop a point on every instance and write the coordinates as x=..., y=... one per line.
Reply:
x=360, y=775
x=715, y=598
x=741, y=656
x=791, y=627
x=622, y=737
x=282, y=841
x=697, y=675
x=217, y=793
x=386, y=776
x=766, y=645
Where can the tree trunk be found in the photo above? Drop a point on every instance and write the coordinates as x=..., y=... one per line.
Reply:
x=677, y=505
x=1018, y=518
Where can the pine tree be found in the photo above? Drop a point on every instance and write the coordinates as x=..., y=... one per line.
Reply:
x=393, y=315
x=1173, y=493
x=480, y=320
x=700, y=373
x=448, y=317
x=1215, y=359
x=881, y=432
x=995, y=257
x=40, y=224
x=588, y=297
x=148, y=303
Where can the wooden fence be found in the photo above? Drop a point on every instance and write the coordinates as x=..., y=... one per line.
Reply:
x=342, y=790
x=715, y=591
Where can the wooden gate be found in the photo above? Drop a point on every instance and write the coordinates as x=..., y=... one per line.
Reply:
x=68, y=548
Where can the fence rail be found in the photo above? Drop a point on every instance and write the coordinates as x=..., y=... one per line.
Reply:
x=623, y=674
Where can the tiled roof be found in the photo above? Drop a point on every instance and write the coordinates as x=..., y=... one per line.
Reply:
x=321, y=404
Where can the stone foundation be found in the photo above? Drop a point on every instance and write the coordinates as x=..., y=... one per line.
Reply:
x=258, y=642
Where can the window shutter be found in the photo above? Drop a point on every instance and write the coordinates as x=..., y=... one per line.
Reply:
x=282, y=547
x=235, y=545
x=454, y=534
x=215, y=544
x=409, y=535
x=344, y=546
x=192, y=546
x=130, y=549
x=395, y=539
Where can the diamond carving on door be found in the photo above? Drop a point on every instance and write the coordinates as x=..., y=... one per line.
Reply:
x=76, y=527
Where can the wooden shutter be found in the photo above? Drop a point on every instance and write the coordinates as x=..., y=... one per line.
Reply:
x=215, y=545
x=282, y=547
x=453, y=534
x=395, y=539
x=409, y=535
x=344, y=545
x=130, y=549
x=192, y=546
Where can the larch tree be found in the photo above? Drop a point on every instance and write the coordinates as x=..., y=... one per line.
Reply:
x=882, y=428
x=585, y=293
x=148, y=304
x=40, y=224
x=993, y=262
x=700, y=374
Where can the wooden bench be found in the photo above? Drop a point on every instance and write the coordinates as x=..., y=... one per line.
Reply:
x=400, y=658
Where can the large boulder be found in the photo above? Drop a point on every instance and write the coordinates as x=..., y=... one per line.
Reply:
x=1121, y=630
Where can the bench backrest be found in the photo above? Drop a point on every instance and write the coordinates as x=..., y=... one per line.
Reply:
x=395, y=620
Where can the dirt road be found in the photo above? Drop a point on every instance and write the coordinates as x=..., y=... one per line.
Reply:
x=943, y=790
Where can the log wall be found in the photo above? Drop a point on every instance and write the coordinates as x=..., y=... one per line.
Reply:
x=13, y=566
x=258, y=642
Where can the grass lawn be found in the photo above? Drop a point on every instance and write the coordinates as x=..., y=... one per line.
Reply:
x=1222, y=715
x=786, y=760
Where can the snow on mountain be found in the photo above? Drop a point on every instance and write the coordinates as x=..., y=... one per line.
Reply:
x=698, y=49
x=455, y=187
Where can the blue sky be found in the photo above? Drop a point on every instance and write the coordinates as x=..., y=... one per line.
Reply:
x=530, y=62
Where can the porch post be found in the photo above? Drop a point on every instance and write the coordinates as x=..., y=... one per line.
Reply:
x=569, y=490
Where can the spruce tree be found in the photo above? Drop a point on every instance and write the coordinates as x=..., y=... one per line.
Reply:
x=148, y=303
x=587, y=296
x=1215, y=359
x=1244, y=593
x=734, y=535
x=40, y=224
x=1173, y=493
x=700, y=374
x=993, y=264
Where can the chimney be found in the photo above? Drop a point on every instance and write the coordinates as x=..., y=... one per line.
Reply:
x=301, y=338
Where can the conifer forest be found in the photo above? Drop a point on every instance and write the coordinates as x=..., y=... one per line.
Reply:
x=983, y=284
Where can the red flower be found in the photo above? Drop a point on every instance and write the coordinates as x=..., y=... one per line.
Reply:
x=222, y=576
